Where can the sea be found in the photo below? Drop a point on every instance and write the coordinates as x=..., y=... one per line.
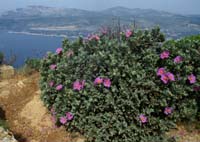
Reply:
x=25, y=46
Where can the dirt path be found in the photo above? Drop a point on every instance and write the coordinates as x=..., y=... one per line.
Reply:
x=28, y=119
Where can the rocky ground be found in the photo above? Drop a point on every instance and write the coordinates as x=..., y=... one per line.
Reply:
x=6, y=136
x=30, y=121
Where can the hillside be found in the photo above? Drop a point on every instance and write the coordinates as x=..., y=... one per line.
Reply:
x=74, y=22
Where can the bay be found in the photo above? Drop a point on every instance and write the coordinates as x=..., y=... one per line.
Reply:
x=25, y=46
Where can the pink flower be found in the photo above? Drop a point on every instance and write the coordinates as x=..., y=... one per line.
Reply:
x=178, y=59
x=53, y=66
x=95, y=37
x=170, y=76
x=107, y=83
x=168, y=110
x=128, y=33
x=59, y=87
x=160, y=71
x=78, y=85
x=98, y=80
x=143, y=118
x=164, y=78
x=69, y=116
x=51, y=84
x=63, y=120
x=164, y=55
x=192, y=79
x=59, y=50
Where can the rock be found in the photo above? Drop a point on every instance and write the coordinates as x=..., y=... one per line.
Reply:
x=6, y=72
x=6, y=136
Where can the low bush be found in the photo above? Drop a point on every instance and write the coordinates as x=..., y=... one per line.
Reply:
x=1, y=58
x=131, y=89
x=2, y=119
x=31, y=66
x=33, y=63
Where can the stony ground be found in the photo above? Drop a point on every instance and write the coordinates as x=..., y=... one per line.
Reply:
x=27, y=118
x=6, y=136
x=30, y=121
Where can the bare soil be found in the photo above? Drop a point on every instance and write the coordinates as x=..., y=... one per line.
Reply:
x=27, y=117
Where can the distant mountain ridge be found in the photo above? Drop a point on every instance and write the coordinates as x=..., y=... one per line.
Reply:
x=84, y=21
x=43, y=11
x=34, y=10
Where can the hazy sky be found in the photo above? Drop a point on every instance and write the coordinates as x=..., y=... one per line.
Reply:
x=175, y=6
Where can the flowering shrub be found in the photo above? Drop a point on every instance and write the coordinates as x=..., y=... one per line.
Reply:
x=33, y=63
x=132, y=90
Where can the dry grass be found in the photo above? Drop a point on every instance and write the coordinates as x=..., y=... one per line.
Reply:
x=186, y=132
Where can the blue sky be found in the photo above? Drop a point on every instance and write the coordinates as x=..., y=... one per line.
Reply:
x=175, y=6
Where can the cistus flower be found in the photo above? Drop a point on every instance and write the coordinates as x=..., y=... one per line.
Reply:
x=59, y=87
x=63, y=120
x=192, y=79
x=95, y=37
x=78, y=85
x=160, y=71
x=164, y=55
x=51, y=83
x=178, y=59
x=168, y=110
x=164, y=78
x=107, y=83
x=69, y=116
x=128, y=33
x=53, y=66
x=98, y=80
x=143, y=118
x=59, y=50
x=170, y=76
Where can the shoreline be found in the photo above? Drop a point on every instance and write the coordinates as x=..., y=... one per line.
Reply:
x=37, y=34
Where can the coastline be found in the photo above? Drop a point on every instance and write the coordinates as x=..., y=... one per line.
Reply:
x=37, y=34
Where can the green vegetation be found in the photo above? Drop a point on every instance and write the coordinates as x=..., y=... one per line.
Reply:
x=2, y=121
x=33, y=63
x=30, y=66
x=132, y=88
x=1, y=58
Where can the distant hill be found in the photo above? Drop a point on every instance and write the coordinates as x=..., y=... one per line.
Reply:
x=73, y=22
